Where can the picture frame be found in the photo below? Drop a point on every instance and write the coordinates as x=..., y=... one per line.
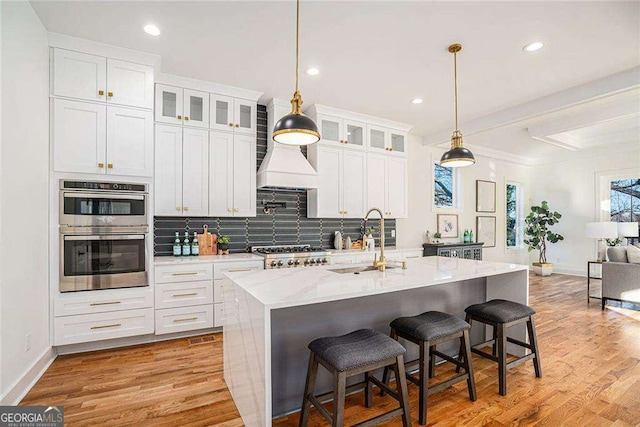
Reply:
x=486, y=230
x=485, y=196
x=448, y=225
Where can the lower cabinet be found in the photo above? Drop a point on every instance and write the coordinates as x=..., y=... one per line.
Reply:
x=182, y=319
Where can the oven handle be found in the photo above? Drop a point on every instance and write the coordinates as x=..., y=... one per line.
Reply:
x=106, y=237
x=104, y=196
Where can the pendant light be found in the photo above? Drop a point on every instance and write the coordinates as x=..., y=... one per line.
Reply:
x=296, y=128
x=457, y=156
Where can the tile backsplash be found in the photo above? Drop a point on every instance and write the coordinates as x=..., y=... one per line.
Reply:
x=283, y=226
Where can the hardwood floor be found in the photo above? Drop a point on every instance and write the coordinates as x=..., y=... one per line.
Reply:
x=590, y=360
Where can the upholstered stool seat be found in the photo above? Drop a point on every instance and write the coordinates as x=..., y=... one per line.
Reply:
x=500, y=311
x=358, y=352
x=427, y=330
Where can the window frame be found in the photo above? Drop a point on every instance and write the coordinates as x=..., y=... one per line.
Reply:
x=456, y=193
x=520, y=215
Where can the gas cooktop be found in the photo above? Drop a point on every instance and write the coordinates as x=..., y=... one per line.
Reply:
x=291, y=256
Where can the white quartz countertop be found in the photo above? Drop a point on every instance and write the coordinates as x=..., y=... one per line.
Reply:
x=170, y=260
x=301, y=286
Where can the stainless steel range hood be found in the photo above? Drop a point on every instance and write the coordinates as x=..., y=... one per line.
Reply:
x=284, y=166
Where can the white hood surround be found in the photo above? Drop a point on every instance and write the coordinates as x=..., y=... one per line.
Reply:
x=284, y=166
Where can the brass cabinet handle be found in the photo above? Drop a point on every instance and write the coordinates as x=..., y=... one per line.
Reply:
x=179, y=117
x=231, y=124
x=186, y=208
x=186, y=319
x=100, y=92
x=110, y=165
x=110, y=94
x=101, y=165
x=186, y=117
x=115, y=325
x=190, y=294
x=105, y=303
x=237, y=270
x=187, y=273
x=409, y=257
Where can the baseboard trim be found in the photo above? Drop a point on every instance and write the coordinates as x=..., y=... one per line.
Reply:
x=571, y=271
x=19, y=389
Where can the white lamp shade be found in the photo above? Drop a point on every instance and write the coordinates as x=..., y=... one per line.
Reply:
x=627, y=229
x=602, y=230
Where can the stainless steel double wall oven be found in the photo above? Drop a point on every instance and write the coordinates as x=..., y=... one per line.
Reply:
x=103, y=234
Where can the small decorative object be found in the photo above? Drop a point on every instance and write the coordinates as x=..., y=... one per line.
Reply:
x=465, y=236
x=537, y=234
x=485, y=196
x=347, y=244
x=470, y=236
x=369, y=241
x=427, y=237
x=448, y=225
x=486, y=226
x=207, y=242
x=436, y=237
x=357, y=244
x=614, y=242
x=337, y=240
x=223, y=245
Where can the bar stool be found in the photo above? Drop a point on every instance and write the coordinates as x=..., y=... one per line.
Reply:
x=427, y=330
x=359, y=352
x=501, y=315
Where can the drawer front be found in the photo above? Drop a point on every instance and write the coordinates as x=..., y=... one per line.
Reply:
x=412, y=254
x=218, y=315
x=103, y=301
x=102, y=326
x=173, y=295
x=220, y=269
x=172, y=320
x=183, y=273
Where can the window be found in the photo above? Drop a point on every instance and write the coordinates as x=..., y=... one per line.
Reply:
x=443, y=187
x=625, y=201
x=514, y=214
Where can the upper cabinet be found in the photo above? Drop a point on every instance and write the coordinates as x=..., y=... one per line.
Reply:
x=335, y=131
x=96, y=78
x=383, y=139
x=179, y=106
x=232, y=114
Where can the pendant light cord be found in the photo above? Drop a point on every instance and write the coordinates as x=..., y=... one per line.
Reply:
x=455, y=84
x=297, y=37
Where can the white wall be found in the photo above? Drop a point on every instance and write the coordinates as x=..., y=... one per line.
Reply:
x=422, y=217
x=24, y=213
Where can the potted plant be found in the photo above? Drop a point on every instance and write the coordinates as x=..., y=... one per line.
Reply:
x=223, y=245
x=537, y=234
x=436, y=237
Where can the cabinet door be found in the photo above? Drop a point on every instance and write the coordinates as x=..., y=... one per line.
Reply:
x=329, y=167
x=220, y=174
x=78, y=75
x=397, y=187
x=378, y=138
x=129, y=141
x=129, y=84
x=79, y=136
x=354, y=184
x=377, y=182
x=168, y=171
x=244, y=116
x=195, y=172
x=355, y=134
x=169, y=104
x=244, y=175
x=221, y=112
x=330, y=129
x=196, y=108
x=398, y=142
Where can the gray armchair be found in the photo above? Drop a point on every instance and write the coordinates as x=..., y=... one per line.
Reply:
x=620, y=282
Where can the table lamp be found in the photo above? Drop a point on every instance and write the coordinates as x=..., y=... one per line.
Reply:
x=601, y=231
x=627, y=230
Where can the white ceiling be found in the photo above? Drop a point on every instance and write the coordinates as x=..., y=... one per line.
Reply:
x=374, y=57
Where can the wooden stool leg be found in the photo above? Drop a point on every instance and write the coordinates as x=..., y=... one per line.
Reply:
x=432, y=362
x=502, y=359
x=424, y=382
x=312, y=372
x=385, y=374
x=339, y=391
x=467, y=319
x=494, y=348
x=471, y=382
x=533, y=339
x=401, y=386
x=368, y=390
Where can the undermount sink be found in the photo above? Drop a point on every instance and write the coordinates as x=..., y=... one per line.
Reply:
x=358, y=270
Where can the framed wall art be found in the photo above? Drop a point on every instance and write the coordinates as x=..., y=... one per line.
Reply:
x=485, y=196
x=486, y=230
x=448, y=225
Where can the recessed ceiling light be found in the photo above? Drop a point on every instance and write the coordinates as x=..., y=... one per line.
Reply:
x=313, y=71
x=416, y=101
x=532, y=47
x=152, y=30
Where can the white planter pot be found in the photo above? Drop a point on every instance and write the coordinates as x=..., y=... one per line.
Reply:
x=543, y=269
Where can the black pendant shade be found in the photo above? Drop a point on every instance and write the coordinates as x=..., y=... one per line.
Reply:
x=457, y=157
x=296, y=129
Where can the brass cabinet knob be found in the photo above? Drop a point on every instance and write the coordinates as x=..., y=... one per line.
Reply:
x=100, y=92
x=236, y=209
x=110, y=165
x=237, y=125
x=179, y=117
x=390, y=148
x=109, y=93
x=230, y=124
x=101, y=165
x=186, y=117
x=229, y=210
x=178, y=208
x=186, y=208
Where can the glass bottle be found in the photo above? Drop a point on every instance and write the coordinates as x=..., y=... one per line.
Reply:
x=195, y=248
x=470, y=236
x=177, y=247
x=186, y=245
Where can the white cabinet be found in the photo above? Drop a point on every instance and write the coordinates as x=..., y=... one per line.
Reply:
x=232, y=114
x=96, y=78
x=232, y=175
x=342, y=185
x=107, y=300
x=221, y=284
x=179, y=106
x=387, y=184
x=387, y=140
x=181, y=175
x=334, y=130
x=93, y=138
x=182, y=319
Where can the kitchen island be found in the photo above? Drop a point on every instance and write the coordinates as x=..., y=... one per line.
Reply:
x=272, y=315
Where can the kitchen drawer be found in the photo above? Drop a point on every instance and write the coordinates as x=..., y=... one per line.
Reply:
x=219, y=269
x=102, y=326
x=218, y=315
x=172, y=295
x=406, y=255
x=102, y=301
x=184, y=319
x=183, y=273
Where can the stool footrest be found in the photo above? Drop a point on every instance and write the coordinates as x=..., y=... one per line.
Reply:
x=380, y=418
x=393, y=393
x=521, y=360
x=320, y=407
x=448, y=383
x=448, y=358
x=518, y=342
x=483, y=354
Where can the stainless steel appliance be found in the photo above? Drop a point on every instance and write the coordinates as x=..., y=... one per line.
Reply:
x=103, y=235
x=292, y=256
